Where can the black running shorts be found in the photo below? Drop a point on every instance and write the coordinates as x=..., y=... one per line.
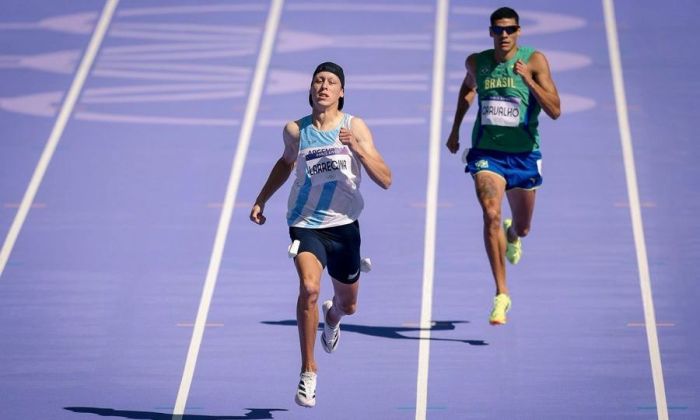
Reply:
x=337, y=248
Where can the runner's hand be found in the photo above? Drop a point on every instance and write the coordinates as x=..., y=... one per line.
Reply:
x=256, y=214
x=521, y=68
x=347, y=138
x=453, y=143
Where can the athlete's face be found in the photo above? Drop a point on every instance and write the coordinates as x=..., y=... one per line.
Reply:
x=505, y=33
x=326, y=89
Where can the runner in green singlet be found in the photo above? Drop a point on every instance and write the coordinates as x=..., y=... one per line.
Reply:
x=513, y=85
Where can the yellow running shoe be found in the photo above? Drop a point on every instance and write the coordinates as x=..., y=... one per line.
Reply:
x=513, y=249
x=501, y=305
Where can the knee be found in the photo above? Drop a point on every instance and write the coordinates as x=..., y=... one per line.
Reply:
x=347, y=307
x=492, y=218
x=521, y=230
x=309, y=290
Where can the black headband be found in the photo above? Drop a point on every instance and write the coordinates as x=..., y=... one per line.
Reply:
x=332, y=68
x=335, y=69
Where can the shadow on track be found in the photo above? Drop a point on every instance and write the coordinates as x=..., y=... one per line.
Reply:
x=393, y=332
x=253, y=413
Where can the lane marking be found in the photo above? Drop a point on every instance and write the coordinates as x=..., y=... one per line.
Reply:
x=438, y=87
x=170, y=407
x=670, y=407
x=417, y=324
x=442, y=204
x=658, y=324
x=57, y=131
x=256, y=90
x=239, y=204
x=17, y=205
x=645, y=204
x=191, y=324
x=635, y=211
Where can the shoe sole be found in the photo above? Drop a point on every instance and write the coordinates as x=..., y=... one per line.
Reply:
x=303, y=404
x=498, y=321
x=513, y=261
x=505, y=231
x=326, y=348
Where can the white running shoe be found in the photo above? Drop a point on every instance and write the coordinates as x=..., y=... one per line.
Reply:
x=329, y=336
x=306, y=391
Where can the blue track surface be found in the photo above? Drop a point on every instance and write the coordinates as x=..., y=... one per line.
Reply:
x=99, y=296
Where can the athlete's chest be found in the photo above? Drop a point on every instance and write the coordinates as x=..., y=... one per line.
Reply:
x=325, y=160
x=498, y=78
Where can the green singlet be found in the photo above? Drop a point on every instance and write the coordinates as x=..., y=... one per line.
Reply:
x=507, y=119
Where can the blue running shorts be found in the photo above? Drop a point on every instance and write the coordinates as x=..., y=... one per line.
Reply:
x=520, y=170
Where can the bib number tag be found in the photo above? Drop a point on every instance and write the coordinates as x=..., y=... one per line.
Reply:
x=326, y=165
x=501, y=111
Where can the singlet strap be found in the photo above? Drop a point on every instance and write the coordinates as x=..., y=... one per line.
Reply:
x=347, y=121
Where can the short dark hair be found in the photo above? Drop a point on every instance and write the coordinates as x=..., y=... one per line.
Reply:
x=504, y=13
x=330, y=66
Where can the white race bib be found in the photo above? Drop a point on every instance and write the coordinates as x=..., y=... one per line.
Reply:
x=328, y=164
x=501, y=111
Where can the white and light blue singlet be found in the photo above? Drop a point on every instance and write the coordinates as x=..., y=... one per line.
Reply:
x=326, y=190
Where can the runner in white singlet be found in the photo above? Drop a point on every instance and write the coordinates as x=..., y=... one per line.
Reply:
x=328, y=149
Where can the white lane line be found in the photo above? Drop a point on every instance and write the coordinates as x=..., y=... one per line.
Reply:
x=439, y=49
x=256, y=90
x=635, y=212
x=57, y=131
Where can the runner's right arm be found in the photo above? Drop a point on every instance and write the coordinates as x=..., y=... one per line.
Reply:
x=279, y=173
x=467, y=93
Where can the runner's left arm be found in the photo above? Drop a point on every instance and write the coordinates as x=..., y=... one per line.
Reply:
x=359, y=140
x=538, y=78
